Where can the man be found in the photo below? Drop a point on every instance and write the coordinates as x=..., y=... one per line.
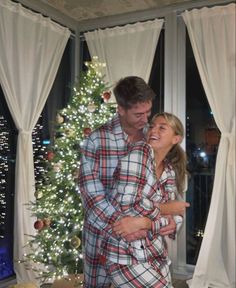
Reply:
x=100, y=154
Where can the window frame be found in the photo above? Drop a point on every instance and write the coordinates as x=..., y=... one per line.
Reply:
x=175, y=102
x=174, y=89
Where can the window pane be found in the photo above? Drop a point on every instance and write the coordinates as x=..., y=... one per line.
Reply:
x=60, y=93
x=202, y=139
x=42, y=134
x=44, y=131
x=8, y=137
x=156, y=80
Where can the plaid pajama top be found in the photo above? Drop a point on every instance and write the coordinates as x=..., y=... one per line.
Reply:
x=99, y=157
x=100, y=153
x=134, y=192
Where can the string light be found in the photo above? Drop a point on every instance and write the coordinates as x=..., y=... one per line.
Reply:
x=58, y=207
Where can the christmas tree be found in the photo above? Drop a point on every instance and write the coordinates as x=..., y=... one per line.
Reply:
x=56, y=246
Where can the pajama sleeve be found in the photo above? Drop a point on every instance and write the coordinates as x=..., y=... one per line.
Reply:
x=135, y=183
x=98, y=209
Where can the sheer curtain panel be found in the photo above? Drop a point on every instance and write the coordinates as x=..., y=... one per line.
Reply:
x=212, y=35
x=127, y=50
x=31, y=47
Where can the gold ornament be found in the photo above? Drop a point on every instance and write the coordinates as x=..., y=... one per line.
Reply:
x=47, y=222
x=75, y=242
x=57, y=167
x=92, y=107
x=76, y=173
x=70, y=132
x=59, y=119
x=38, y=194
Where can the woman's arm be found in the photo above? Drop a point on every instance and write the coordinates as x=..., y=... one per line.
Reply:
x=173, y=207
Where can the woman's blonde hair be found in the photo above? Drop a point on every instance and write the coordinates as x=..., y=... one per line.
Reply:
x=176, y=156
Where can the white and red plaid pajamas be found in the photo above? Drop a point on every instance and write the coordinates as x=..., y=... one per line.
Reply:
x=139, y=275
x=135, y=190
x=100, y=155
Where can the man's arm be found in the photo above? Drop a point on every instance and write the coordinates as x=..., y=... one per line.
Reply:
x=99, y=211
x=135, y=184
x=134, y=228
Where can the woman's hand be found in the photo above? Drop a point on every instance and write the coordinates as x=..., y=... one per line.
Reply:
x=173, y=207
x=170, y=228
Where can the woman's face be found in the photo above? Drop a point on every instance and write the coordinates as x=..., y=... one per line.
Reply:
x=161, y=135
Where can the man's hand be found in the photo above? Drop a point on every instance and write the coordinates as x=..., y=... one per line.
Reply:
x=170, y=228
x=136, y=235
x=173, y=207
x=130, y=225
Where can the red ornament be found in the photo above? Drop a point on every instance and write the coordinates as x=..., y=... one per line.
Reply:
x=87, y=131
x=38, y=225
x=106, y=96
x=50, y=155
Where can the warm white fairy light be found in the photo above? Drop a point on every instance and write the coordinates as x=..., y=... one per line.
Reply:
x=59, y=201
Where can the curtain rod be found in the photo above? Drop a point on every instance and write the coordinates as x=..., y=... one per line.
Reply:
x=121, y=25
x=177, y=10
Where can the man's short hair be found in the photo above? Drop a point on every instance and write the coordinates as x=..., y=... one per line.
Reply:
x=131, y=90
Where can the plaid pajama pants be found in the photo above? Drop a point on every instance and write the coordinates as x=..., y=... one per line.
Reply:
x=139, y=275
x=95, y=275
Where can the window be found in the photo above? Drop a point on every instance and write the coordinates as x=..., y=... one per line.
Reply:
x=176, y=81
x=60, y=92
x=156, y=80
x=202, y=139
x=42, y=134
x=8, y=138
x=185, y=97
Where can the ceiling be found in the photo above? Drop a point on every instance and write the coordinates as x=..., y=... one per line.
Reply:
x=85, y=15
x=81, y=10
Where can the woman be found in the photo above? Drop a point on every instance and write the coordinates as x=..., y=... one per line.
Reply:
x=151, y=173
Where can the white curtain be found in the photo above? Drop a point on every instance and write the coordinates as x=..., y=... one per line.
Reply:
x=127, y=50
x=31, y=47
x=212, y=35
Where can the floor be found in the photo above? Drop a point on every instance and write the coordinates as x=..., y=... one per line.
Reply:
x=180, y=283
x=176, y=283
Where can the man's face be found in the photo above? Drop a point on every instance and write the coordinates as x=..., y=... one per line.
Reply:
x=137, y=116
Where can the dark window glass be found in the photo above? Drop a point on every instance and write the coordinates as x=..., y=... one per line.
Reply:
x=84, y=55
x=8, y=138
x=202, y=139
x=42, y=135
x=60, y=92
x=156, y=80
